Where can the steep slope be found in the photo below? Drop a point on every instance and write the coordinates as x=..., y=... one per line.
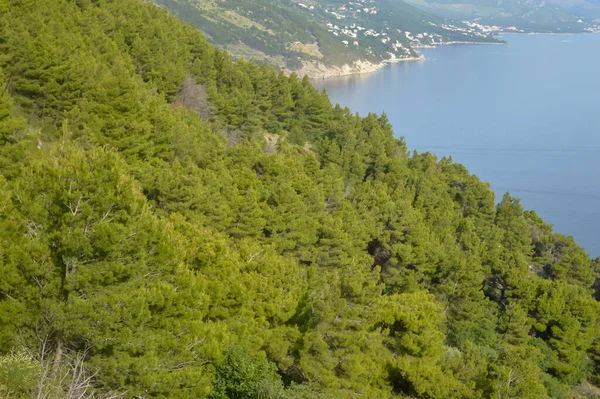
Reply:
x=291, y=34
x=148, y=250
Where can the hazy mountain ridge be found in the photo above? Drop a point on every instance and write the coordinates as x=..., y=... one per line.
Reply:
x=567, y=16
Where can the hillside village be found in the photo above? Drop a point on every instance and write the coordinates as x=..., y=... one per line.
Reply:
x=360, y=23
x=301, y=35
x=329, y=37
x=350, y=22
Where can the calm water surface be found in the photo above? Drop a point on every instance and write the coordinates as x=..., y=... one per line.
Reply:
x=524, y=116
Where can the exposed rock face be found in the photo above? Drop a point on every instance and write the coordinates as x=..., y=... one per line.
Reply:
x=318, y=70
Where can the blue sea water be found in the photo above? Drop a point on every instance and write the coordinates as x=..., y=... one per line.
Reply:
x=524, y=116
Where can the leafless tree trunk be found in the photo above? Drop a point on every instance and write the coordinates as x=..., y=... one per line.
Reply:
x=67, y=377
x=193, y=96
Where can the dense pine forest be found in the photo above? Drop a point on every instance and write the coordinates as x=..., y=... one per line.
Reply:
x=175, y=224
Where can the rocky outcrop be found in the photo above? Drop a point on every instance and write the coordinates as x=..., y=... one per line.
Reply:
x=318, y=70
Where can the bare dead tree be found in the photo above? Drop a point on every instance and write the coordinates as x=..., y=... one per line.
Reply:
x=72, y=379
x=193, y=96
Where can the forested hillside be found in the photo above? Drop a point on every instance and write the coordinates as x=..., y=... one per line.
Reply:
x=290, y=34
x=174, y=224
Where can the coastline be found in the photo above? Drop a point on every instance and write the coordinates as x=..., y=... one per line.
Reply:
x=584, y=32
x=411, y=89
x=478, y=43
x=396, y=60
x=318, y=70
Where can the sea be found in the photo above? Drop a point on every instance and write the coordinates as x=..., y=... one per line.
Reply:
x=523, y=116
